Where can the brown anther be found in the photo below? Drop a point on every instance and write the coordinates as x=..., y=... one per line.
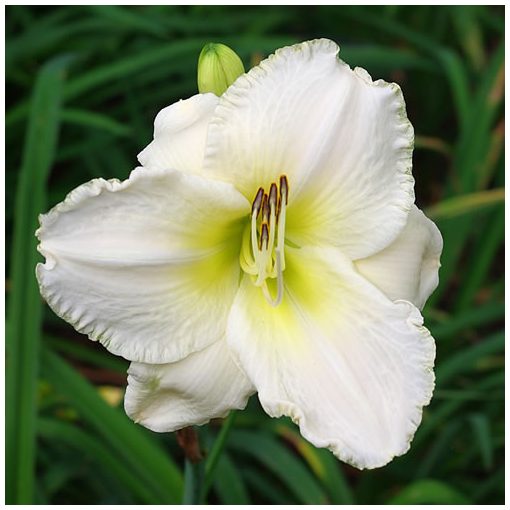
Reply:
x=264, y=236
x=273, y=196
x=265, y=208
x=257, y=202
x=284, y=188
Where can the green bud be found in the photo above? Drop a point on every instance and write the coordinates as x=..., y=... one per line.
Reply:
x=218, y=68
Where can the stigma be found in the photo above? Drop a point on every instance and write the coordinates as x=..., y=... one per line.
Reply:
x=262, y=252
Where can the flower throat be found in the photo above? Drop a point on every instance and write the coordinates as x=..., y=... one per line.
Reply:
x=262, y=252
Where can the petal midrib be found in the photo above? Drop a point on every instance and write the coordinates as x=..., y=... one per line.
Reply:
x=130, y=259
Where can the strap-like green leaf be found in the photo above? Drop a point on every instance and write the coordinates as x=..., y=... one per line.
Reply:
x=24, y=313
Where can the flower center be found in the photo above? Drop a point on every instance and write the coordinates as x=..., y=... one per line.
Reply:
x=262, y=252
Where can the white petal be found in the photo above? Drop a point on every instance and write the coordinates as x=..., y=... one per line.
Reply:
x=409, y=268
x=179, y=135
x=149, y=266
x=352, y=368
x=343, y=141
x=205, y=385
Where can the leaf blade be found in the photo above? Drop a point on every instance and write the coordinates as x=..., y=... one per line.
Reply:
x=24, y=336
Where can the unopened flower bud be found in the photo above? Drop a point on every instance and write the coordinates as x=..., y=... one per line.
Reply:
x=218, y=67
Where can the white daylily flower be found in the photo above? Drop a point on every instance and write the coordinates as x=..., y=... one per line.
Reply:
x=269, y=243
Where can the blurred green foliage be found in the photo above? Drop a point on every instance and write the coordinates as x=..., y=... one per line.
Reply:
x=83, y=86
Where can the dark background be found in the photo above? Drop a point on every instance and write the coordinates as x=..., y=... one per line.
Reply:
x=83, y=85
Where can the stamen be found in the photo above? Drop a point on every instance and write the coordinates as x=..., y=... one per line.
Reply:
x=284, y=188
x=254, y=242
x=272, y=221
x=272, y=195
x=267, y=257
x=265, y=209
x=284, y=191
x=255, y=208
x=264, y=237
x=263, y=255
x=279, y=283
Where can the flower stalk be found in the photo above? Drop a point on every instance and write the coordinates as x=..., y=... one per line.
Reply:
x=199, y=472
x=187, y=439
x=193, y=482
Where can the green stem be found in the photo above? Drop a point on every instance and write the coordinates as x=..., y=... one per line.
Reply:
x=199, y=475
x=193, y=482
x=214, y=455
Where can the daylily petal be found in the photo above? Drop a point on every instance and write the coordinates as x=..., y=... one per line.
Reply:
x=409, y=267
x=179, y=135
x=149, y=266
x=205, y=385
x=352, y=368
x=343, y=141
